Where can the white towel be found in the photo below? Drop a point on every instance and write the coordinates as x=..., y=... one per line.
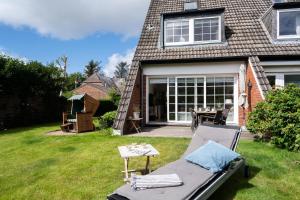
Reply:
x=154, y=181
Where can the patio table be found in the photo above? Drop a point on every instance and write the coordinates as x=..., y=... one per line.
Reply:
x=141, y=150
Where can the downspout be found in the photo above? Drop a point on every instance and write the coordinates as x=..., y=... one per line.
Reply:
x=162, y=34
x=142, y=95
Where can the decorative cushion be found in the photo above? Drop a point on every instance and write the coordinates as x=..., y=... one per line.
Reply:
x=212, y=156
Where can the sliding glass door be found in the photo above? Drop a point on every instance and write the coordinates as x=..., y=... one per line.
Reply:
x=206, y=92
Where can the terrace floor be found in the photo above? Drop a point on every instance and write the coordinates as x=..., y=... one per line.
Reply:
x=174, y=131
x=165, y=131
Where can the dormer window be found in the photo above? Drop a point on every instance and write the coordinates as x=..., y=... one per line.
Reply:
x=191, y=31
x=177, y=31
x=288, y=24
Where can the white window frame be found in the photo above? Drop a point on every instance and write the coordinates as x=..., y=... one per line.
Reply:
x=278, y=25
x=280, y=78
x=235, y=93
x=191, y=31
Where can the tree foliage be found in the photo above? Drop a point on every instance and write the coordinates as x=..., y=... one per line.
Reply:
x=93, y=67
x=121, y=70
x=31, y=89
x=278, y=118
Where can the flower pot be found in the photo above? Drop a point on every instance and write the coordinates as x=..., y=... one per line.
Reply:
x=136, y=115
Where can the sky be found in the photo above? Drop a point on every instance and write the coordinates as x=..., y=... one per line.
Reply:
x=44, y=30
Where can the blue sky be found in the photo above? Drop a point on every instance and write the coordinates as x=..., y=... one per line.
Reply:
x=88, y=29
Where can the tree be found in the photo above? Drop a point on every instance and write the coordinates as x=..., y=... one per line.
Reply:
x=73, y=81
x=93, y=67
x=121, y=70
x=62, y=62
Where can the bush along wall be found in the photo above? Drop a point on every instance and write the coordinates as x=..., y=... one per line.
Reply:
x=29, y=93
x=105, y=106
x=277, y=119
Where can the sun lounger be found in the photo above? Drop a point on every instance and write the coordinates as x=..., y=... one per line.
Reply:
x=198, y=183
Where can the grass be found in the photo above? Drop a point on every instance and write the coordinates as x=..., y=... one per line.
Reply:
x=87, y=166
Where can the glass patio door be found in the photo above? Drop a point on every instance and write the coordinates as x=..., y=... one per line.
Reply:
x=186, y=93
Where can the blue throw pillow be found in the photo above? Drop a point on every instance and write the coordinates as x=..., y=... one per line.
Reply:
x=212, y=156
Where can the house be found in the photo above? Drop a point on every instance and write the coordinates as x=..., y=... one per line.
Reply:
x=210, y=53
x=97, y=86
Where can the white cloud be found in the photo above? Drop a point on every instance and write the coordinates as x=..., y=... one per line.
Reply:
x=74, y=19
x=5, y=52
x=115, y=59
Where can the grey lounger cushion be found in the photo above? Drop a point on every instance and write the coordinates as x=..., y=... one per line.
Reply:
x=192, y=175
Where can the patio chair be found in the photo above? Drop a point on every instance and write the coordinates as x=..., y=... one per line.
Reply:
x=194, y=120
x=219, y=118
x=198, y=183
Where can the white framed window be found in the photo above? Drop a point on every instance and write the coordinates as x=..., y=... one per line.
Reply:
x=177, y=31
x=207, y=30
x=288, y=23
x=192, y=31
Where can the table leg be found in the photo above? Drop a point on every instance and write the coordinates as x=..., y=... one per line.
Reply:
x=126, y=162
x=148, y=166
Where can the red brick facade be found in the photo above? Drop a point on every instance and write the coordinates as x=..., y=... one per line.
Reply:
x=94, y=92
x=135, y=100
x=254, y=95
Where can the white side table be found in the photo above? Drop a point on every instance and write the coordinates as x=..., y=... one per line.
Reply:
x=130, y=151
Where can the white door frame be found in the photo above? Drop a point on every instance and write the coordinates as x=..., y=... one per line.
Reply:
x=236, y=93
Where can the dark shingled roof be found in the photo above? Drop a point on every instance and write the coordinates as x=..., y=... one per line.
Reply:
x=245, y=33
x=260, y=74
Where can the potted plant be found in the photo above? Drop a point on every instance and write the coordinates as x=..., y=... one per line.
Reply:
x=136, y=112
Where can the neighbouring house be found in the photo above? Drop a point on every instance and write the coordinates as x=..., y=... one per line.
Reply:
x=97, y=86
x=210, y=53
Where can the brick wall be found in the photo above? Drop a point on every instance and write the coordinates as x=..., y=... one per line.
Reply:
x=253, y=94
x=135, y=100
x=92, y=91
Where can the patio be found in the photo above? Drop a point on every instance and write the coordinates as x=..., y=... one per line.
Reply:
x=175, y=131
x=165, y=131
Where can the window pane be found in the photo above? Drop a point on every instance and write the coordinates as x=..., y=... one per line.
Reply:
x=210, y=91
x=172, y=116
x=181, y=81
x=190, y=91
x=177, y=31
x=181, y=116
x=200, y=100
x=190, y=99
x=288, y=79
x=229, y=90
x=220, y=90
x=181, y=108
x=190, y=81
x=272, y=81
x=172, y=108
x=200, y=90
x=200, y=81
x=172, y=99
x=181, y=90
x=210, y=81
x=206, y=29
x=172, y=90
x=181, y=99
x=288, y=22
x=172, y=81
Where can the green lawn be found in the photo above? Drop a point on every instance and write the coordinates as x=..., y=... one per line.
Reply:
x=87, y=166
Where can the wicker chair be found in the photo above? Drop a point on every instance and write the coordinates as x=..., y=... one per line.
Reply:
x=80, y=119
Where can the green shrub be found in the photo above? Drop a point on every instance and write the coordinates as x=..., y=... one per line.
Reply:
x=277, y=119
x=105, y=106
x=107, y=120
